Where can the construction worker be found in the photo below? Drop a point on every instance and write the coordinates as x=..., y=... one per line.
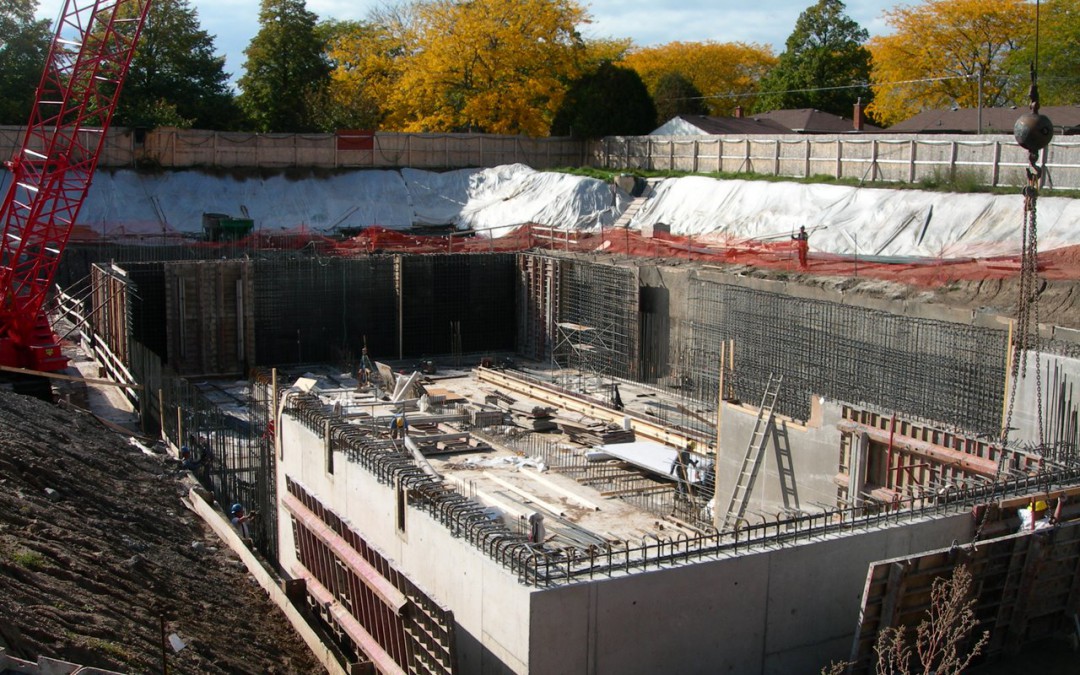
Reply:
x=399, y=426
x=802, y=244
x=680, y=467
x=537, y=532
x=240, y=519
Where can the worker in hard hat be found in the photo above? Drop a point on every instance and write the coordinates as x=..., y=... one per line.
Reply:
x=680, y=467
x=399, y=426
x=1035, y=516
x=241, y=520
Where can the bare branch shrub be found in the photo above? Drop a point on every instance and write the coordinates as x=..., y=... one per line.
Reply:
x=940, y=639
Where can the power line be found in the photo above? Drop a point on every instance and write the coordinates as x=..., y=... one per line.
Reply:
x=864, y=85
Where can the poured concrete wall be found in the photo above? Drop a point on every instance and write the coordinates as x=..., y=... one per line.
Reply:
x=491, y=608
x=783, y=610
x=788, y=610
x=814, y=458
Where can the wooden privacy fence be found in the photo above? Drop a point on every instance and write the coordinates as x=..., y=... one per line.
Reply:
x=901, y=158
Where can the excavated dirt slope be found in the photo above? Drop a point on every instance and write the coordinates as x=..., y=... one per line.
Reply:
x=84, y=569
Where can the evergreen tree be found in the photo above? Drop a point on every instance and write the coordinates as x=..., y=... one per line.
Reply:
x=676, y=95
x=175, y=78
x=612, y=101
x=286, y=72
x=24, y=46
x=822, y=58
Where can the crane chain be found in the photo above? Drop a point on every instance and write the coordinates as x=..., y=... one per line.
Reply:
x=1026, y=336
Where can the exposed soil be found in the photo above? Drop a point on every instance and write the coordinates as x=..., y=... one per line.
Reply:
x=85, y=570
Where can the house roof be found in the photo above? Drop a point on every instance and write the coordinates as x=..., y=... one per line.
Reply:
x=803, y=121
x=704, y=124
x=1066, y=119
x=811, y=121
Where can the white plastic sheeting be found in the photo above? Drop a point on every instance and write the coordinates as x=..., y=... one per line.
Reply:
x=842, y=220
x=862, y=221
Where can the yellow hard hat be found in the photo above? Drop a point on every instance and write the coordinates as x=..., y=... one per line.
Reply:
x=1041, y=505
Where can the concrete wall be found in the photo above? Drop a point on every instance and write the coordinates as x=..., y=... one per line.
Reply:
x=1057, y=378
x=814, y=457
x=490, y=607
x=789, y=610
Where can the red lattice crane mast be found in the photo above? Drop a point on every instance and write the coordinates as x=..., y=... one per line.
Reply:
x=51, y=172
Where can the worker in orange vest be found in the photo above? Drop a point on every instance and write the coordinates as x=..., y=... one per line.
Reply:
x=802, y=243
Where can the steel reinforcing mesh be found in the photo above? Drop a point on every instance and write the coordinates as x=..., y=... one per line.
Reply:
x=934, y=370
x=602, y=300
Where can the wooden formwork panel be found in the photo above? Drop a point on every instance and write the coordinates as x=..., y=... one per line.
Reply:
x=1025, y=585
x=210, y=308
x=109, y=310
x=396, y=625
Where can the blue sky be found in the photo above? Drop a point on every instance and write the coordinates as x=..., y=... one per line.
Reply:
x=648, y=22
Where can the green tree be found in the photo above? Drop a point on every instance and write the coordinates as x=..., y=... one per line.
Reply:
x=24, y=46
x=1059, y=53
x=612, y=101
x=676, y=95
x=936, y=51
x=175, y=78
x=286, y=71
x=823, y=57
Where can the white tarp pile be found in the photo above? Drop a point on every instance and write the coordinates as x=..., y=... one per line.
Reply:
x=842, y=220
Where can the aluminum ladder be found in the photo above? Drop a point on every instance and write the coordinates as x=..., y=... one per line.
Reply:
x=740, y=495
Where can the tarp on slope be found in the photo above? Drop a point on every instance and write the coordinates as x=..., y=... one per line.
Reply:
x=842, y=220
x=857, y=221
x=130, y=202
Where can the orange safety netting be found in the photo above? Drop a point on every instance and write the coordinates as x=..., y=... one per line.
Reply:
x=779, y=256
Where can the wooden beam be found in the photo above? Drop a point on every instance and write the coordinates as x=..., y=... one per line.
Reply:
x=70, y=378
x=938, y=453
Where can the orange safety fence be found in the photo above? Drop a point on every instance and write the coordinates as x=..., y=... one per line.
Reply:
x=780, y=256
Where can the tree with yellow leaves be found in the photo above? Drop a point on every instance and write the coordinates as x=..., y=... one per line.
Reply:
x=725, y=73
x=364, y=57
x=492, y=66
x=940, y=49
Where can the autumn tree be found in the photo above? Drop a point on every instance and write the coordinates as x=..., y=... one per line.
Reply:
x=727, y=74
x=175, y=77
x=612, y=101
x=1059, y=53
x=286, y=70
x=676, y=95
x=362, y=58
x=823, y=63
x=938, y=51
x=24, y=46
x=494, y=66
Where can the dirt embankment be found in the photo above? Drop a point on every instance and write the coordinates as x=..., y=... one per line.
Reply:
x=94, y=539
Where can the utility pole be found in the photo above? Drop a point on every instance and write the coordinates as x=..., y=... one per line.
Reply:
x=979, y=102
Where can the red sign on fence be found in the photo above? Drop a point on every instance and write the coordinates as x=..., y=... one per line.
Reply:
x=355, y=139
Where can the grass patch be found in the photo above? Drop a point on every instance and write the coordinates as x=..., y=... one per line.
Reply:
x=106, y=647
x=24, y=557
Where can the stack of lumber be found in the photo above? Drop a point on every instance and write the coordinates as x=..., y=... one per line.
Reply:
x=598, y=434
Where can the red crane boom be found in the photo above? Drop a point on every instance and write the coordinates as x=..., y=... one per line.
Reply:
x=51, y=172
